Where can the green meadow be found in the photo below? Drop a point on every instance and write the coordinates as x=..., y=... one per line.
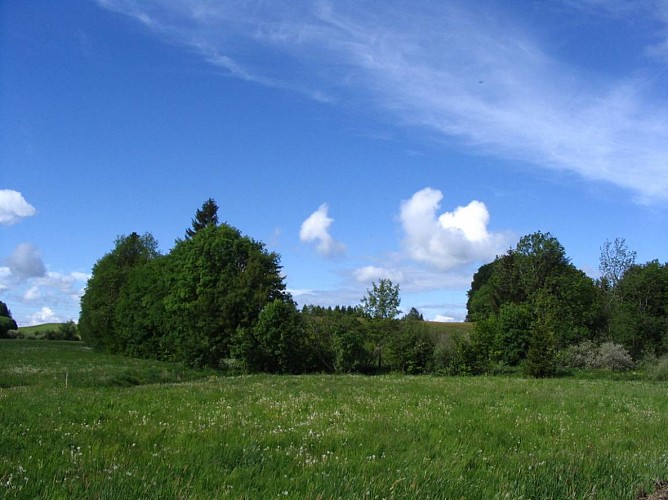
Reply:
x=75, y=423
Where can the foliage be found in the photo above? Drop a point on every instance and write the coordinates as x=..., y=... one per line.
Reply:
x=109, y=276
x=7, y=324
x=541, y=356
x=639, y=320
x=411, y=349
x=4, y=310
x=616, y=259
x=204, y=217
x=217, y=282
x=531, y=302
x=414, y=315
x=65, y=331
x=659, y=369
x=382, y=301
x=185, y=306
x=276, y=344
x=350, y=352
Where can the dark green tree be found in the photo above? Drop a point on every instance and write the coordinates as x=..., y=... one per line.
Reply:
x=411, y=349
x=7, y=325
x=109, y=276
x=506, y=296
x=639, y=320
x=205, y=216
x=4, y=310
x=141, y=325
x=413, y=315
x=277, y=343
x=217, y=281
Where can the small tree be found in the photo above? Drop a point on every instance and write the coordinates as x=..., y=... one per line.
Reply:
x=413, y=315
x=381, y=305
x=382, y=301
x=541, y=357
x=615, y=260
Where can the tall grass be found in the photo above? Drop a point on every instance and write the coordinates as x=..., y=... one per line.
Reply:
x=193, y=435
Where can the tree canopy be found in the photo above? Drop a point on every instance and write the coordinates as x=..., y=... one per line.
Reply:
x=186, y=305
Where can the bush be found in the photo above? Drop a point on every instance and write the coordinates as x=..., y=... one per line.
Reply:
x=607, y=356
x=613, y=357
x=13, y=334
x=581, y=355
x=6, y=325
x=659, y=370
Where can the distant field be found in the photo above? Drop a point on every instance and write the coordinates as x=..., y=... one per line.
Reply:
x=37, y=329
x=450, y=328
x=75, y=423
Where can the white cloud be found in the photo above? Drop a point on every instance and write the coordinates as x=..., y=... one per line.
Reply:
x=367, y=274
x=451, y=240
x=33, y=293
x=25, y=262
x=443, y=319
x=13, y=207
x=44, y=315
x=466, y=70
x=316, y=229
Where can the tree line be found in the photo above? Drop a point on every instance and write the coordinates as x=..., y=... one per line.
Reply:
x=533, y=307
x=218, y=299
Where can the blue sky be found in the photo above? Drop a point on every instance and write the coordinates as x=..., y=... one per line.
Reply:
x=358, y=139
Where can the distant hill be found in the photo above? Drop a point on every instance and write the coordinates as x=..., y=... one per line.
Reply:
x=37, y=329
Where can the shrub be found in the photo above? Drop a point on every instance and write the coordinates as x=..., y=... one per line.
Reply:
x=6, y=324
x=12, y=334
x=614, y=357
x=659, y=370
x=580, y=355
x=541, y=360
x=607, y=356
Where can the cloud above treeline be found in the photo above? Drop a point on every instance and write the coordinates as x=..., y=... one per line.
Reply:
x=14, y=207
x=448, y=240
x=469, y=71
x=315, y=229
x=25, y=281
x=26, y=262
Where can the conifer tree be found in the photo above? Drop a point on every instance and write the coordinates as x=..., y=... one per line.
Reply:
x=205, y=216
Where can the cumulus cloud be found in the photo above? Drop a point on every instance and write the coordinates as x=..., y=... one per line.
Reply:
x=14, y=207
x=44, y=315
x=316, y=229
x=451, y=239
x=367, y=274
x=26, y=262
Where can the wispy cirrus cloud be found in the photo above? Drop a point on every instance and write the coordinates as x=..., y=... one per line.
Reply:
x=460, y=69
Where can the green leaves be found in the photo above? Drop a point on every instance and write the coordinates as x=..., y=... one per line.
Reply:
x=382, y=301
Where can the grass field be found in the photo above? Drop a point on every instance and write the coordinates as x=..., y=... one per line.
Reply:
x=139, y=429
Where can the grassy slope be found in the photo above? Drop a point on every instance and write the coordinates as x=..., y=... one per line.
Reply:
x=301, y=437
x=37, y=329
